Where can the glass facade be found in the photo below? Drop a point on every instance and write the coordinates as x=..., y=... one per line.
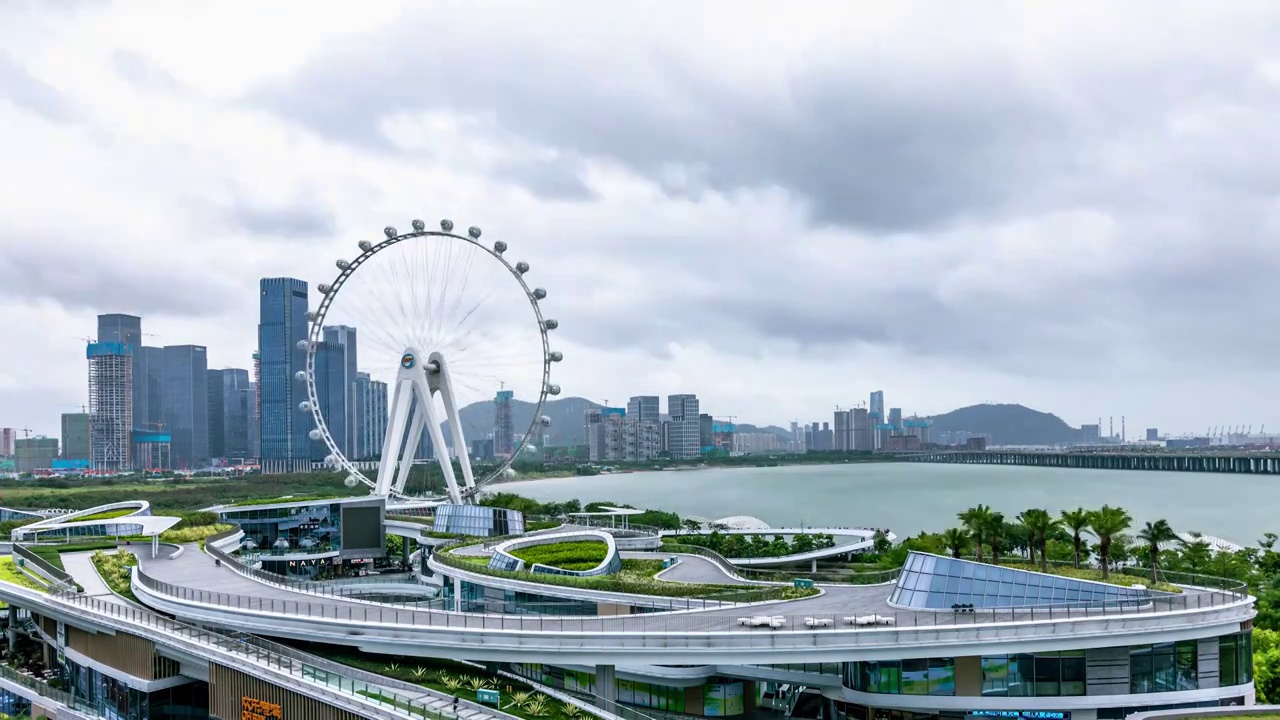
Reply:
x=342, y=387
x=1166, y=667
x=185, y=405
x=282, y=324
x=1049, y=674
x=1235, y=659
x=920, y=676
x=936, y=582
x=331, y=394
x=299, y=529
x=114, y=699
x=478, y=520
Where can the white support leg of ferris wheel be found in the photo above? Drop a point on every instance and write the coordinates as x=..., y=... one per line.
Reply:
x=412, y=409
x=445, y=385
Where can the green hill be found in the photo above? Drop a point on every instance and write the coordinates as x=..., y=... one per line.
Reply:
x=1007, y=425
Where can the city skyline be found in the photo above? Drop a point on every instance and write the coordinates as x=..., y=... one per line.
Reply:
x=676, y=254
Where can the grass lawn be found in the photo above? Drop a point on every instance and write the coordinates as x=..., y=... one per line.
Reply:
x=107, y=514
x=11, y=574
x=580, y=555
x=293, y=499
x=53, y=553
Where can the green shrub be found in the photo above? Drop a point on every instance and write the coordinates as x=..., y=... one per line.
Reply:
x=115, y=571
x=108, y=514
x=194, y=533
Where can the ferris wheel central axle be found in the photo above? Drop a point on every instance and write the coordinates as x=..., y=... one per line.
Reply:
x=410, y=412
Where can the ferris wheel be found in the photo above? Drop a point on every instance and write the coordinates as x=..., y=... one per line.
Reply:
x=444, y=321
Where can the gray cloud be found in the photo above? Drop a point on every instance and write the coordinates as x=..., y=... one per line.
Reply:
x=144, y=73
x=30, y=92
x=49, y=268
x=294, y=221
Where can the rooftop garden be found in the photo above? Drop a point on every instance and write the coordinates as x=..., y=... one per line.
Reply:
x=106, y=514
x=462, y=680
x=577, y=555
x=251, y=502
x=637, y=578
x=10, y=573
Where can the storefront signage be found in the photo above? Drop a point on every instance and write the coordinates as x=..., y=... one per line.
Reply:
x=251, y=709
x=62, y=635
x=1022, y=714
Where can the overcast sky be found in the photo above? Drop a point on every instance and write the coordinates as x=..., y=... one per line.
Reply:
x=1071, y=205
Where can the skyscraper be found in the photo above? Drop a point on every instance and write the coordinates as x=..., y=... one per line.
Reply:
x=895, y=419
x=282, y=325
x=371, y=414
x=682, y=437
x=344, y=337
x=148, y=388
x=503, y=424
x=877, y=416
x=842, y=425
x=230, y=414
x=861, y=429
x=185, y=406
x=110, y=405
x=7, y=438
x=127, y=330
x=331, y=393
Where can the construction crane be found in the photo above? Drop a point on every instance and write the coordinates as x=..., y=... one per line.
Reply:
x=26, y=432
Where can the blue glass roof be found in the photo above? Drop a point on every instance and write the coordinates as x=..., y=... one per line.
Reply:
x=935, y=582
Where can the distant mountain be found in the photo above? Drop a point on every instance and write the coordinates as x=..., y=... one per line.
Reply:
x=783, y=433
x=566, y=420
x=1007, y=425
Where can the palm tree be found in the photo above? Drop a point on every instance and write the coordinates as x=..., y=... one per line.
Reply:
x=1040, y=525
x=1153, y=535
x=955, y=540
x=1105, y=524
x=976, y=520
x=996, y=531
x=1076, y=520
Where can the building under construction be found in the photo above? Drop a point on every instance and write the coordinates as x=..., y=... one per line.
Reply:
x=110, y=406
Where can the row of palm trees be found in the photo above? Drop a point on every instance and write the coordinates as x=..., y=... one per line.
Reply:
x=985, y=529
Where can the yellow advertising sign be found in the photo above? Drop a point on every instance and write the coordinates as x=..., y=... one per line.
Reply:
x=251, y=709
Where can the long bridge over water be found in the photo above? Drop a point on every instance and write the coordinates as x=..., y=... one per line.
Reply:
x=1242, y=463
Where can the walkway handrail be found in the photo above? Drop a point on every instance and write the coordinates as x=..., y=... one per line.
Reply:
x=328, y=588
x=359, y=674
x=172, y=631
x=62, y=580
x=719, y=560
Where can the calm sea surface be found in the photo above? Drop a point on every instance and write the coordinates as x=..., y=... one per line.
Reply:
x=910, y=497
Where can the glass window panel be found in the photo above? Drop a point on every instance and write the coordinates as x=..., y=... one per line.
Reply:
x=1006, y=574
x=1141, y=669
x=995, y=675
x=967, y=569
x=1073, y=673
x=980, y=571
x=1186, y=664
x=966, y=586
x=927, y=565
x=953, y=584
x=1048, y=675
x=942, y=676
x=1021, y=669
x=937, y=583
x=915, y=677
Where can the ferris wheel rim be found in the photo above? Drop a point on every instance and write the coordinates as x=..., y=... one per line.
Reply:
x=315, y=334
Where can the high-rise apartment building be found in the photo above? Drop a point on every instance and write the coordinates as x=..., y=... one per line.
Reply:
x=641, y=439
x=7, y=438
x=842, y=431
x=185, y=406
x=331, y=394
x=230, y=414
x=110, y=406
x=503, y=424
x=75, y=436
x=895, y=419
x=685, y=427
x=644, y=407
x=878, y=419
x=606, y=434
x=282, y=325
x=344, y=337
x=861, y=422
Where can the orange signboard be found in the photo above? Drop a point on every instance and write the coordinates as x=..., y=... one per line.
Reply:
x=251, y=709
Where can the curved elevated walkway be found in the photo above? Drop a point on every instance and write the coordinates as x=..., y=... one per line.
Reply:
x=858, y=540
